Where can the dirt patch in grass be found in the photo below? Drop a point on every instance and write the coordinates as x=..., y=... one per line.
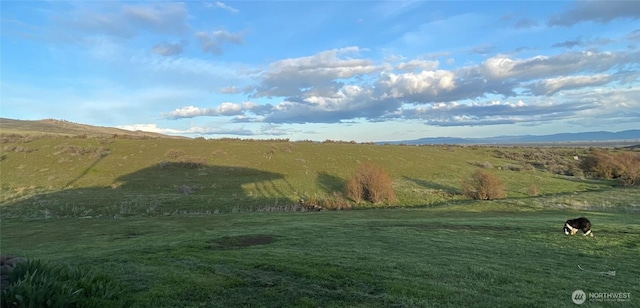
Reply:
x=240, y=241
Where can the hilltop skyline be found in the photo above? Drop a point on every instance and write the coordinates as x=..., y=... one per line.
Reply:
x=316, y=70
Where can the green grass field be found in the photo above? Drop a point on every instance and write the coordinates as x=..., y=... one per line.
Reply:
x=219, y=235
x=371, y=258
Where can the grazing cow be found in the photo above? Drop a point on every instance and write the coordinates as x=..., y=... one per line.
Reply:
x=572, y=226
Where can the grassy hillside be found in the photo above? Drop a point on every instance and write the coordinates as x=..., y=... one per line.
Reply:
x=53, y=127
x=60, y=177
x=207, y=223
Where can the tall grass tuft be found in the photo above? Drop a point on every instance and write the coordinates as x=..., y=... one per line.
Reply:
x=35, y=283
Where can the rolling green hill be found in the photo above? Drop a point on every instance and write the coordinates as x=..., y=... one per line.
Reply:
x=216, y=223
x=108, y=176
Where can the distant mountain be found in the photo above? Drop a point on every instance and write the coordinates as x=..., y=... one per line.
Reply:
x=601, y=136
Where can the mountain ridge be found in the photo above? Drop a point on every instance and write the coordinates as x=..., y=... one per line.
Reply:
x=63, y=127
x=595, y=136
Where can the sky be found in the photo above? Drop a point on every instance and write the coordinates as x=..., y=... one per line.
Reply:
x=317, y=70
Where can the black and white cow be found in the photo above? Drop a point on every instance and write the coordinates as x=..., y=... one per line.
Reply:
x=572, y=226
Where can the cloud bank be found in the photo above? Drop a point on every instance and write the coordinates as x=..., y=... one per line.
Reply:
x=340, y=85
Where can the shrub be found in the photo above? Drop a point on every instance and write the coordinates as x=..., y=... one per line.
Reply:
x=354, y=190
x=533, y=190
x=631, y=163
x=601, y=164
x=174, y=153
x=624, y=166
x=75, y=150
x=484, y=164
x=511, y=167
x=483, y=186
x=557, y=161
x=370, y=183
x=335, y=202
x=34, y=283
x=310, y=204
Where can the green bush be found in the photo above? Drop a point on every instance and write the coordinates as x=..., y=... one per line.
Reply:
x=34, y=283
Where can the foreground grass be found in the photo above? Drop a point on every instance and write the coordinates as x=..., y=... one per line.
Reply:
x=474, y=254
x=176, y=235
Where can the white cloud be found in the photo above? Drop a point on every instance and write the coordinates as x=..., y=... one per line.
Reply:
x=504, y=67
x=552, y=85
x=193, y=130
x=494, y=112
x=289, y=77
x=224, y=109
x=192, y=111
x=413, y=65
x=226, y=7
x=230, y=90
x=151, y=128
x=329, y=87
x=418, y=87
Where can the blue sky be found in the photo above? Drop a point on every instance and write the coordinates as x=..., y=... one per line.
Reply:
x=317, y=70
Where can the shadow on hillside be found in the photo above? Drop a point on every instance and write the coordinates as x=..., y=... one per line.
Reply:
x=167, y=188
x=330, y=183
x=84, y=173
